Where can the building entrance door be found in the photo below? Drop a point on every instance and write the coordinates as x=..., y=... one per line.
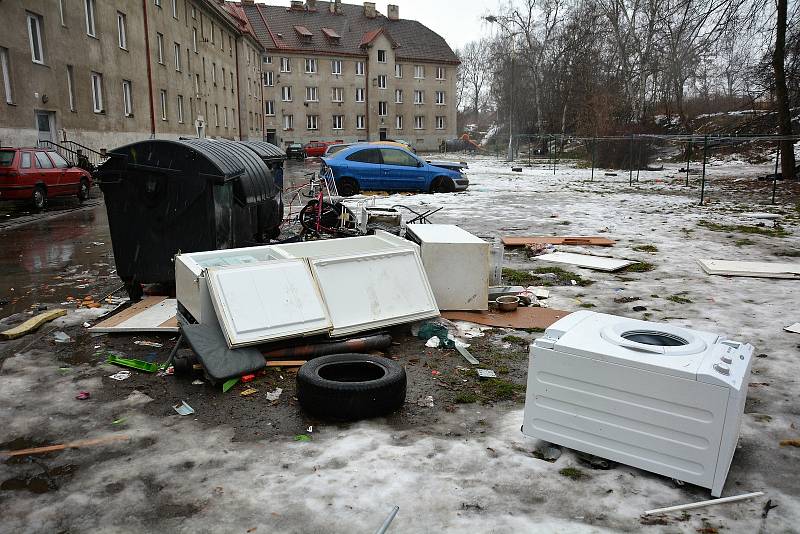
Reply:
x=45, y=125
x=384, y=135
x=272, y=137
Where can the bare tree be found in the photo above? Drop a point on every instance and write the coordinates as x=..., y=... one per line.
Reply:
x=475, y=57
x=781, y=91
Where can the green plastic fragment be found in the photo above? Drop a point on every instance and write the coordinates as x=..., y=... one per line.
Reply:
x=229, y=384
x=302, y=437
x=133, y=364
x=119, y=421
x=430, y=329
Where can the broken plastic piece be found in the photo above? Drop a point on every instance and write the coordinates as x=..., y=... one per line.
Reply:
x=467, y=356
x=274, y=395
x=248, y=392
x=183, y=408
x=229, y=384
x=486, y=373
x=83, y=395
x=302, y=437
x=133, y=364
x=703, y=504
x=122, y=375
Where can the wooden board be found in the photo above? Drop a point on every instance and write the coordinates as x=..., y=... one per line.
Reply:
x=32, y=324
x=286, y=363
x=510, y=241
x=587, y=261
x=151, y=314
x=756, y=269
x=539, y=318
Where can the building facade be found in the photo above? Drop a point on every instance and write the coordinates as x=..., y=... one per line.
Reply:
x=104, y=74
x=343, y=72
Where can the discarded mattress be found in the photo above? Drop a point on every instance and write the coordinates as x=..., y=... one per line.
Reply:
x=597, y=263
x=219, y=361
x=756, y=269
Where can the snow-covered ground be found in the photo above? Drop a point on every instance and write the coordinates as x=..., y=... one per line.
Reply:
x=473, y=470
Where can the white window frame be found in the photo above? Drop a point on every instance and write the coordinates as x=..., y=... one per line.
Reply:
x=162, y=94
x=441, y=73
x=312, y=122
x=286, y=64
x=311, y=65
x=37, y=43
x=419, y=97
x=61, y=12
x=383, y=109
x=269, y=108
x=157, y=3
x=269, y=78
x=398, y=122
x=127, y=98
x=312, y=94
x=398, y=96
x=398, y=70
x=160, y=48
x=440, y=122
x=419, y=72
x=225, y=116
x=267, y=60
x=177, y=49
x=360, y=68
x=419, y=122
x=361, y=121
x=360, y=94
x=336, y=67
x=286, y=93
x=89, y=7
x=337, y=95
x=5, y=67
x=180, y=109
x=214, y=76
x=288, y=122
x=71, y=87
x=440, y=98
x=175, y=9
x=381, y=81
x=122, y=30
x=97, y=92
x=382, y=53
x=194, y=40
x=338, y=122
x=216, y=116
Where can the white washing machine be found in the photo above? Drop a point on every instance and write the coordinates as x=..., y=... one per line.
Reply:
x=658, y=397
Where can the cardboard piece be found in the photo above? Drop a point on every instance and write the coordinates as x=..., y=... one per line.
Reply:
x=511, y=241
x=538, y=318
x=793, y=328
x=151, y=314
x=597, y=263
x=757, y=269
x=32, y=324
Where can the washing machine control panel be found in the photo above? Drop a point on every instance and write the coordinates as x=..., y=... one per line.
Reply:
x=727, y=364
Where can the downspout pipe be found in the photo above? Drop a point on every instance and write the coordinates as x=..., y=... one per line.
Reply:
x=149, y=72
x=238, y=89
x=369, y=83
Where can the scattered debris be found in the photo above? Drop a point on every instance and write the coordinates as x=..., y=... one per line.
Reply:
x=141, y=365
x=151, y=314
x=249, y=391
x=183, y=408
x=430, y=330
x=388, y=521
x=790, y=443
x=598, y=263
x=229, y=384
x=522, y=318
x=547, y=240
x=197, y=382
x=274, y=395
x=286, y=363
x=703, y=504
x=425, y=402
x=302, y=437
x=794, y=328
x=62, y=337
x=152, y=344
x=83, y=395
x=639, y=308
x=466, y=354
x=433, y=342
x=486, y=373
x=757, y=269
x=72, y=445
x=122, y=375
x=32, y=324
x=516, y=169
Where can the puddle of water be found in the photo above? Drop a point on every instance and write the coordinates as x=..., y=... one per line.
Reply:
x=49, y=480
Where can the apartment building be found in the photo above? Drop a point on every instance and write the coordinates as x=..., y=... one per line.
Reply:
x=104, y=74
x=334, y=71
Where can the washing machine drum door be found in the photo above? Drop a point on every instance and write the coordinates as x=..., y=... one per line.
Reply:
x=654, y=338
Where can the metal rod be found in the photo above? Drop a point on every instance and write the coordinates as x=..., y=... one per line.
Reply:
x=630, y=162
x=775, y=176
x=382, y=529
x=703, y=182
x=639, y=161
x=555, y=155
x=703, y=504
x=688, y=158
x=593, y=148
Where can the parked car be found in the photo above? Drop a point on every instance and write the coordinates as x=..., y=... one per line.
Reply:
x=295, y=150
x=36, y=174
x=382, y=167
x=333, y=149
x=315, y=149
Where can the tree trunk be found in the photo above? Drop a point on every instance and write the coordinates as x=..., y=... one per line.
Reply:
x=781, y=93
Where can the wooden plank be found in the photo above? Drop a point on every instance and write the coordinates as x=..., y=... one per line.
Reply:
x=537, y=318
x=286, y=363
x=755, y=269
x=130, y=311
x=597, y=263
x=511, y=241
x=63, y=446
x=152, y=314
x=32, y=324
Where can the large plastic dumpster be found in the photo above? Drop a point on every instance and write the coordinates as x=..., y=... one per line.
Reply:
x=166, y=197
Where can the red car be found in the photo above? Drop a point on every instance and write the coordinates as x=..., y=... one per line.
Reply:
x=315, y=149
x=35, y=174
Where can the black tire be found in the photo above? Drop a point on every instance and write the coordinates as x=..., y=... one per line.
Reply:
x=348, y=187
x=351, y=386
x=442, y=184
x=83, y=190
x=39, y=198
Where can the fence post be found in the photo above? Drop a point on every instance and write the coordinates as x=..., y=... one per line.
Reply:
x=593, y=147
x=688, y=158
x=639, y=161
x=705, y=157
x=630, y=162
x=555, y=154
x=775, y=176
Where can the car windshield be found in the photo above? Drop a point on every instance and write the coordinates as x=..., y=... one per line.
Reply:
x=6, y=157
x=336, y=148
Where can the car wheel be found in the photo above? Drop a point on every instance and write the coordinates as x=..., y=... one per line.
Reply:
x=83, y=190
x=39, y=197
x=442, y=184
x=351, y=386
x=347, y=187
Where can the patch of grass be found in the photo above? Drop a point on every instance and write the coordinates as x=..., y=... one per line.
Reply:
x=534, y=277
x=499, y=389
x=645, y=248
x=516, y=340
x=744, y=242
x=625, y=300
x=679, y=299
x=641, y=267
x=789, y=253
x=466, y=397
x=654, y=296
x=776, y=231
x=587, y=305
x=573, y=473
x=503, y=370
x=533, y=330
x=565, y=223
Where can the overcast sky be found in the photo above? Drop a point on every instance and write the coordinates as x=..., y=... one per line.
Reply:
x=458, y=21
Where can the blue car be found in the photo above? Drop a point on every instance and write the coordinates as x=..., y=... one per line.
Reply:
x=376, y=167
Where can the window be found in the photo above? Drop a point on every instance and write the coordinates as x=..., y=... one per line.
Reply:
x=338, y=122
x=97, y=92
x=336, y=66
x=212, y=34
x=61, y=12
x=26, y=160
x=312, y=122
x=311, y=94
x=60, y=162
x=163, y=97
x=401, y=158
x=157, y=3
x=419, y=71
x=440, y=73
x=194, y=40
x=382, y=109
x=214, y=76
x=269, y=108
x=71, y=87
x=286, y=65
x=180, y=108
x=398, y=96
x=359, y=68
x=35, y=38
x=197, y=84
x=194, y=13
x=288, y=122
x=160, y=48
x=311, y=66
x=204, y=70
x=286, y=93
x=224, y=79
x=177, y=57
x=370, y=155
x=398, y=122
x=398, y=70
x=268, y=60
x=42, y=161
x=360, y=121
x=419, y=97
x=127, y=98
x=175, y=9
x=337, y=94
x=440, y=98
x=231, y=83
x=6, y=72
x=440, y=123
x=419, y=122
x=216, y=116
x=122, y=30
x=382, y=81
x=359, y=94
x=225, y=116
x=90, y=29
x=381, y=56
x=269, y=78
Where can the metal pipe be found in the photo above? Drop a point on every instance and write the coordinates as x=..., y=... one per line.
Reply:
x=382, y=529
x=362, y=344
x=705, y=158
x=149, y=71
x=630, y=162
x=775, y=176
x=639, y=161
x=593, y=149
x=703, y=504
x=688, y=157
